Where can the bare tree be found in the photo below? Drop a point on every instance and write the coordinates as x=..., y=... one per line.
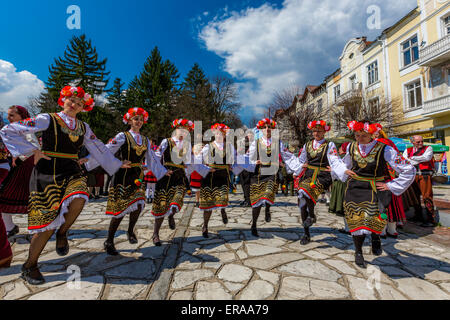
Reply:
x=301, y=118
x=359, y=106
x=225, y=97
x=282, y=99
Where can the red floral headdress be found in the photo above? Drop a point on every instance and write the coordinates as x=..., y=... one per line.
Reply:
x=272, y=124
x=70, y=91
x=135, y=112
x=183, y=123
x=319, y=123
x=220, y=126
x=366, y=127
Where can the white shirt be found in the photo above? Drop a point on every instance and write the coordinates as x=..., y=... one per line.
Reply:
x=415, y=160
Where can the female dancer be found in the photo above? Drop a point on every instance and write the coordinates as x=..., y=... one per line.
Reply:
x=15, y=190
x=317, y=158
x=126, y=195
x=367, y=195
x=264, y=186
x=219, y=157
x=58, y=189
x=176, y=154
x=6, y=254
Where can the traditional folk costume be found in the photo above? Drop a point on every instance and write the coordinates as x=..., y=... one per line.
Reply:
x=15, y=189
x=263, y=181
x=338, y=191
x=422, y=160
x=215, y=184
x=5, y=248
x=364, y=205
x=395, y=211
x=126, y=194
x=316, y=178
x=170, y=190
x=55, y=183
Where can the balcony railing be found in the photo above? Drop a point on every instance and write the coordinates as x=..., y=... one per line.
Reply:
x=350, y=94
x=438, y=105
x=436, y=52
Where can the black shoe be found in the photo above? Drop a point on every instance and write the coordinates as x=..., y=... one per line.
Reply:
x=13, y=232
x=96, y=197
x=224, y=218
x=62, y=251
x=305, y=240
x=197, y=204
x=344, y=231
x=428, y=225
x=359, y=260
x=110, y=248
x=148, y=200
x=132, y=237
x=255, y=232
x=172, y=225
x=415, y=219
x=205, y=233
x=156, y=243
x=243, y=203
x=376, y=247
x=383, y=236
x=32, y=275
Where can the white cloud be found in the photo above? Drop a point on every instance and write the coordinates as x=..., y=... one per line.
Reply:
x=268, y=48
x=17, y=87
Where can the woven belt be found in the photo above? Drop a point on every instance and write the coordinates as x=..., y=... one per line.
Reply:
x=60, y=155
x=171, y=164
x=315, y=174
x=219, y=166
x=135, y=165
x=372, y=181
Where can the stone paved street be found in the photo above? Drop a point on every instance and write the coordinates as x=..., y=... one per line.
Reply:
x=232, y=264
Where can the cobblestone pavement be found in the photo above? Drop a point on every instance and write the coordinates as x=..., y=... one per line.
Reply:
x=231, y=264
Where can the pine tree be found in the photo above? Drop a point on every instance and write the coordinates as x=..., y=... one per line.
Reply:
x=155, y=90
x=80, y=66
x=117, y=97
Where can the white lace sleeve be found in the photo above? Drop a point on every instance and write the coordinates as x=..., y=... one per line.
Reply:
x=14, y=134
x=406, y=171
x=100, y=152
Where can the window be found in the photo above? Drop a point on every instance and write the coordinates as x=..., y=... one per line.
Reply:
x=410, y=51
x=337, y=92
x=372, y=73
x=447, y=25
x=414, y=95
x=374, y=106
x=351, y=56
x=353, y=83
x=319, y=106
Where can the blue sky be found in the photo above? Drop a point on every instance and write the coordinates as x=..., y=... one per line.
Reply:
x=263, y=45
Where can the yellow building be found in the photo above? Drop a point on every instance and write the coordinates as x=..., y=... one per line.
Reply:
x=360, y=80
x=417, y=53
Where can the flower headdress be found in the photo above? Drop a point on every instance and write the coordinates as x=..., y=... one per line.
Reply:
x=364, y=126
x=79, y=92
x=220, y=126
x=135, y=112
x=319, y=123
x=183, y=123
x=272, y=124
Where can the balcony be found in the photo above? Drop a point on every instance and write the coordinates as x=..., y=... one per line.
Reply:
x=354, y=95
x=437, y=106
x=436, y=52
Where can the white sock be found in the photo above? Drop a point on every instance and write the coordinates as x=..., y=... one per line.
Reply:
x=392, y=227
x=152, y=189
x=346, y=225
x=7, y=219
x=147, y=191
